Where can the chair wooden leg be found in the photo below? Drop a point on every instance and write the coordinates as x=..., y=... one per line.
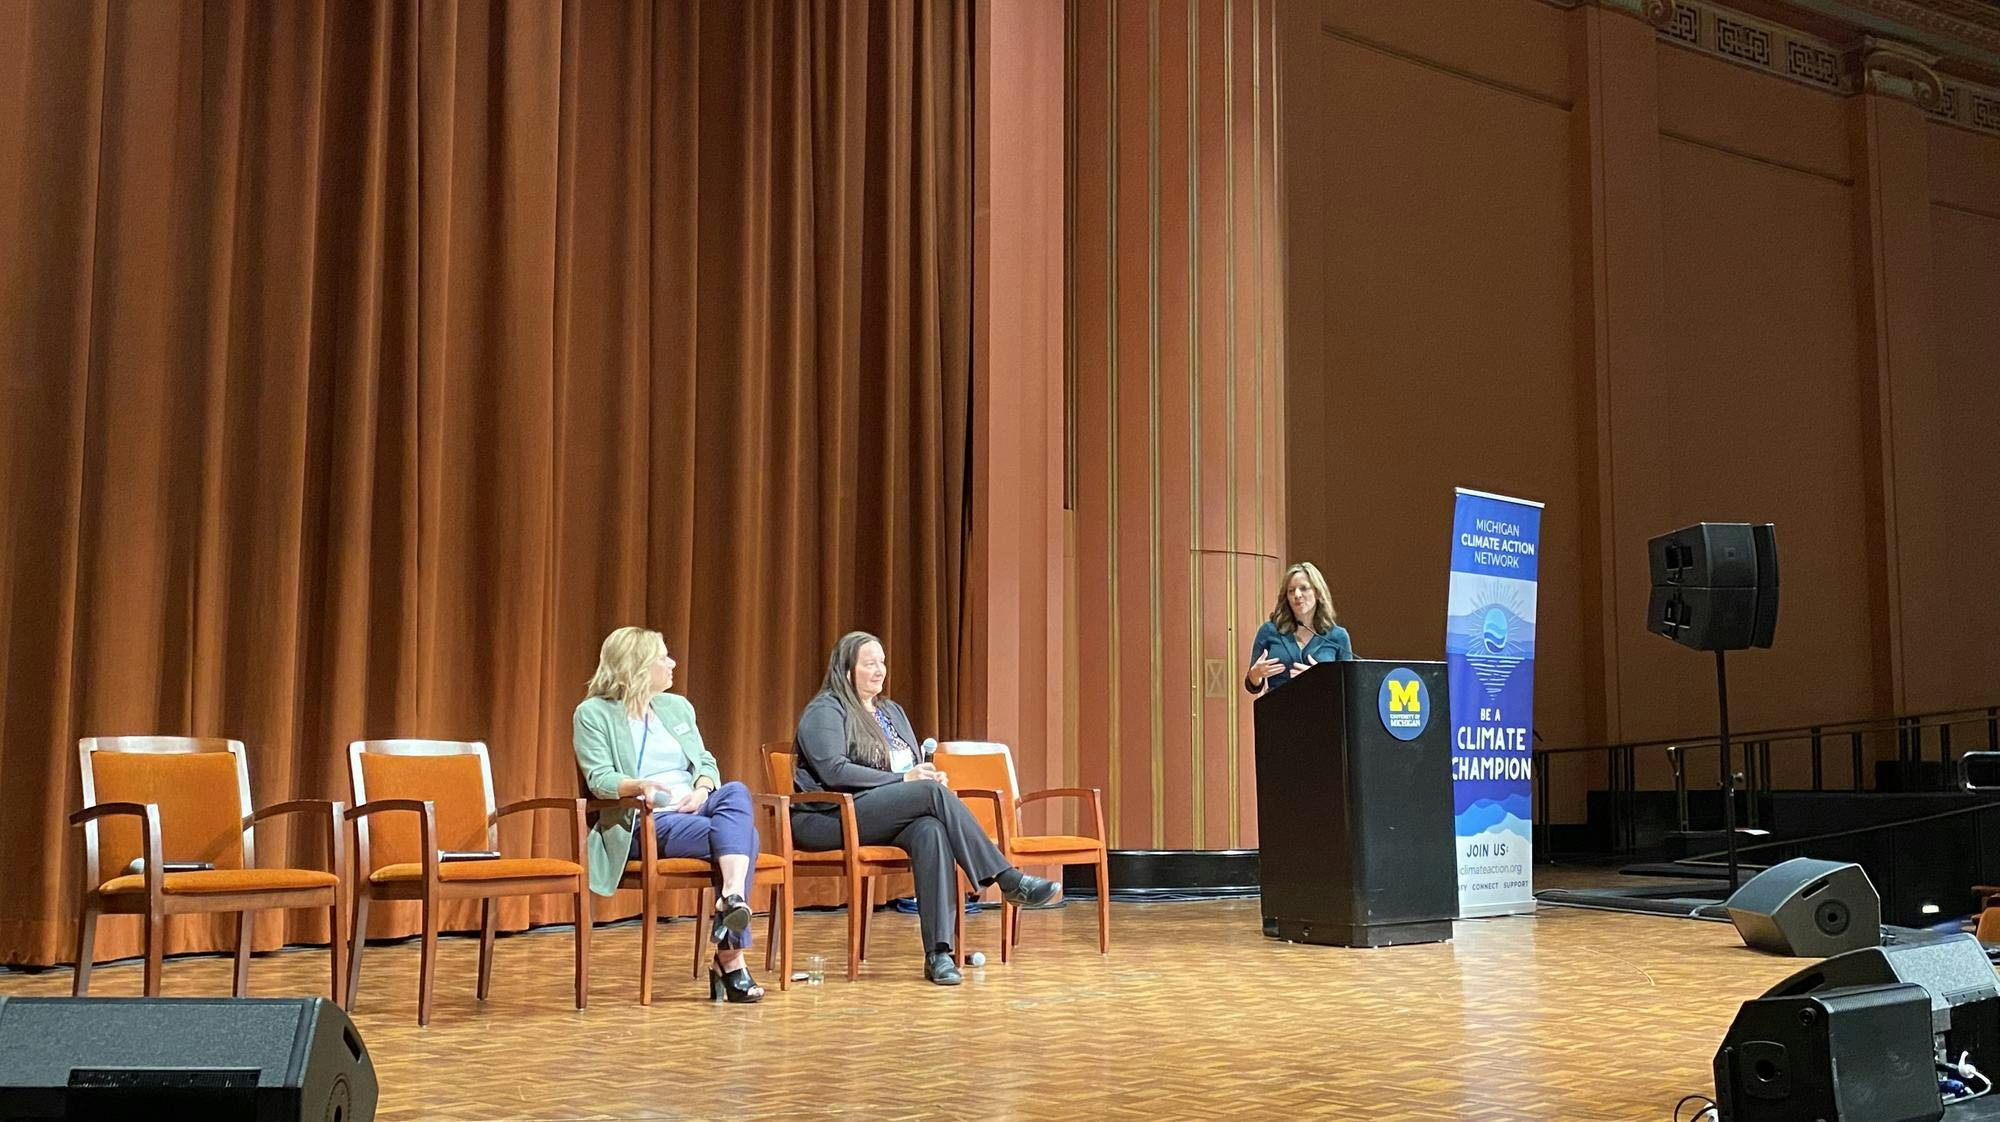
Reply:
x=582, y=942
x=866, y=904
x=771, y=934
x=649, y=924
x=357, y=942
x=1103, y=904
x=86, y=950
x=246, y=937
x=785, y=955
x=156, y=946
x=336, y=945
x=488, y=921
x=704, y=910
x=1008, y=918
x=427, y=961
x=855, y=904
x=958, y=921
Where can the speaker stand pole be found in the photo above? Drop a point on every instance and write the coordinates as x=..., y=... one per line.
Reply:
x=1728, y=767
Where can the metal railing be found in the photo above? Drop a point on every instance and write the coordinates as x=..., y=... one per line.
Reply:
x=1754, y=767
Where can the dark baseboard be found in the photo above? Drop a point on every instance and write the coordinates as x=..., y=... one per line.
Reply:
x=1156, y=874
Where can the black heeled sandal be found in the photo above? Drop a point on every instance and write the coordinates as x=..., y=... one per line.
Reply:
x=732, y=917
x=734, y=986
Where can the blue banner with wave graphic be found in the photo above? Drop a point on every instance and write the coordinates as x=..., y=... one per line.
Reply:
x=1490, y=661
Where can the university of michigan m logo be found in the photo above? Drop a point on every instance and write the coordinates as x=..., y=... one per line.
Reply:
x=1403, y=696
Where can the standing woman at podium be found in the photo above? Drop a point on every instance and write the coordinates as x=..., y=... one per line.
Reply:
x=1299, y=634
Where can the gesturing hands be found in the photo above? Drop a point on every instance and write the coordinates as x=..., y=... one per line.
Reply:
x=1264, y=669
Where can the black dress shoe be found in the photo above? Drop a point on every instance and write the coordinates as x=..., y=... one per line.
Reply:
x=1033, y=892
x=939, y=967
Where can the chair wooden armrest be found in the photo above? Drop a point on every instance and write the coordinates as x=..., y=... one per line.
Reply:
x=1000, y=815
x=779, y=807
x=623, y=802
x=574, y=806
x=576, y=813
x=423, y=807
x=336, y=853
x=1089, y=795
x=426, y=812
x=850, y=830
x=147, y=811
x=148, y=815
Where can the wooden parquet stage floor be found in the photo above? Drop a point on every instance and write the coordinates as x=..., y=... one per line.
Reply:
x=1565, y=1015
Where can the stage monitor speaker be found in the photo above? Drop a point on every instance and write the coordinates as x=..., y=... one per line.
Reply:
x=1807, y=909
x=1715, y=585
x=236, y=1060
x=1953, y=969
x=1844, y=1055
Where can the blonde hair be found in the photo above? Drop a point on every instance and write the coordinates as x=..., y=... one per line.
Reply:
x=625, y=666
x=1281, y=615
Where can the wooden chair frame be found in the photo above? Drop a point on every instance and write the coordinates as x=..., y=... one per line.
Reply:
x=431, y=891
x=652, y=879
x=156, y=904
x=1008, y=828
x=846, y=863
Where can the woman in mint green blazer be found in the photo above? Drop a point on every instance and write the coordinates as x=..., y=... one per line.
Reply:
x=634, y=738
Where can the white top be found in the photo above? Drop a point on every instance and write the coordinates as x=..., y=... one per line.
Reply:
x=661, y=758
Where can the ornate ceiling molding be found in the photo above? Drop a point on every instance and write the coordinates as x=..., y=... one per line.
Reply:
x=1968, y=21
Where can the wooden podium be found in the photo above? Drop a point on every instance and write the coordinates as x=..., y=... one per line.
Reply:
x=1354, y=805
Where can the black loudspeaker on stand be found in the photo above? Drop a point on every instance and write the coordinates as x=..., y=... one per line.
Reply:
x=236, y=1060
x=1715, y=588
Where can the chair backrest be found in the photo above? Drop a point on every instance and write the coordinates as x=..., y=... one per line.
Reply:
x=980, y=765
x=455, y=775
x=200, y=784
x=778, y=767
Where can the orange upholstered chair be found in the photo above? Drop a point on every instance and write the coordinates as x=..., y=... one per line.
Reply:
x=159, y=799
x=654, y=875
x=417, y=799
x=856, y=864
x=978, y=768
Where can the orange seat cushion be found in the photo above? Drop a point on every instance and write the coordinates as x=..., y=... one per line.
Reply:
x=506, y=868
x=1056, y=843
x=221, y=881
x=881, y=854
x=695, y=866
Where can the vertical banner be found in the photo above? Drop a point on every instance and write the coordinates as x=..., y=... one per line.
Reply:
x=1490, y=662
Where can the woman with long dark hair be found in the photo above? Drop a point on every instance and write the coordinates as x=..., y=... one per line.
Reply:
x=853, y=739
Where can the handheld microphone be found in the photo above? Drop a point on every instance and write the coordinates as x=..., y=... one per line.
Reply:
x=927, y=749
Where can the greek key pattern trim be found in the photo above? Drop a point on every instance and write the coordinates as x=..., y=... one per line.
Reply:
x=1753, y=43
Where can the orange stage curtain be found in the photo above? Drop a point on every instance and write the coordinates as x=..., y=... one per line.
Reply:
x=364, y=363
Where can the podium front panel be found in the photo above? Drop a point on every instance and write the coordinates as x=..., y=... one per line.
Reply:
x=1354, y=805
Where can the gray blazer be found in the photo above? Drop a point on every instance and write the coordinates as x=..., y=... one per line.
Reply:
x=821, y=762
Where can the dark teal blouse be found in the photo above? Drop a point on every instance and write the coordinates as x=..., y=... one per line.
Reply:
x=1331, y=645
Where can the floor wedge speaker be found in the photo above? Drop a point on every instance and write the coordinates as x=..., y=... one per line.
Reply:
x=1841, y=1055
x=238, y=1060
x=1952, y=969
x=1807, y=909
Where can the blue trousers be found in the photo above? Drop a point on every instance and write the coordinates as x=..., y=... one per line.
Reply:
x=722, y=827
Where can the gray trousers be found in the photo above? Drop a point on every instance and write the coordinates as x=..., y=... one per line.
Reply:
x=925, y=820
